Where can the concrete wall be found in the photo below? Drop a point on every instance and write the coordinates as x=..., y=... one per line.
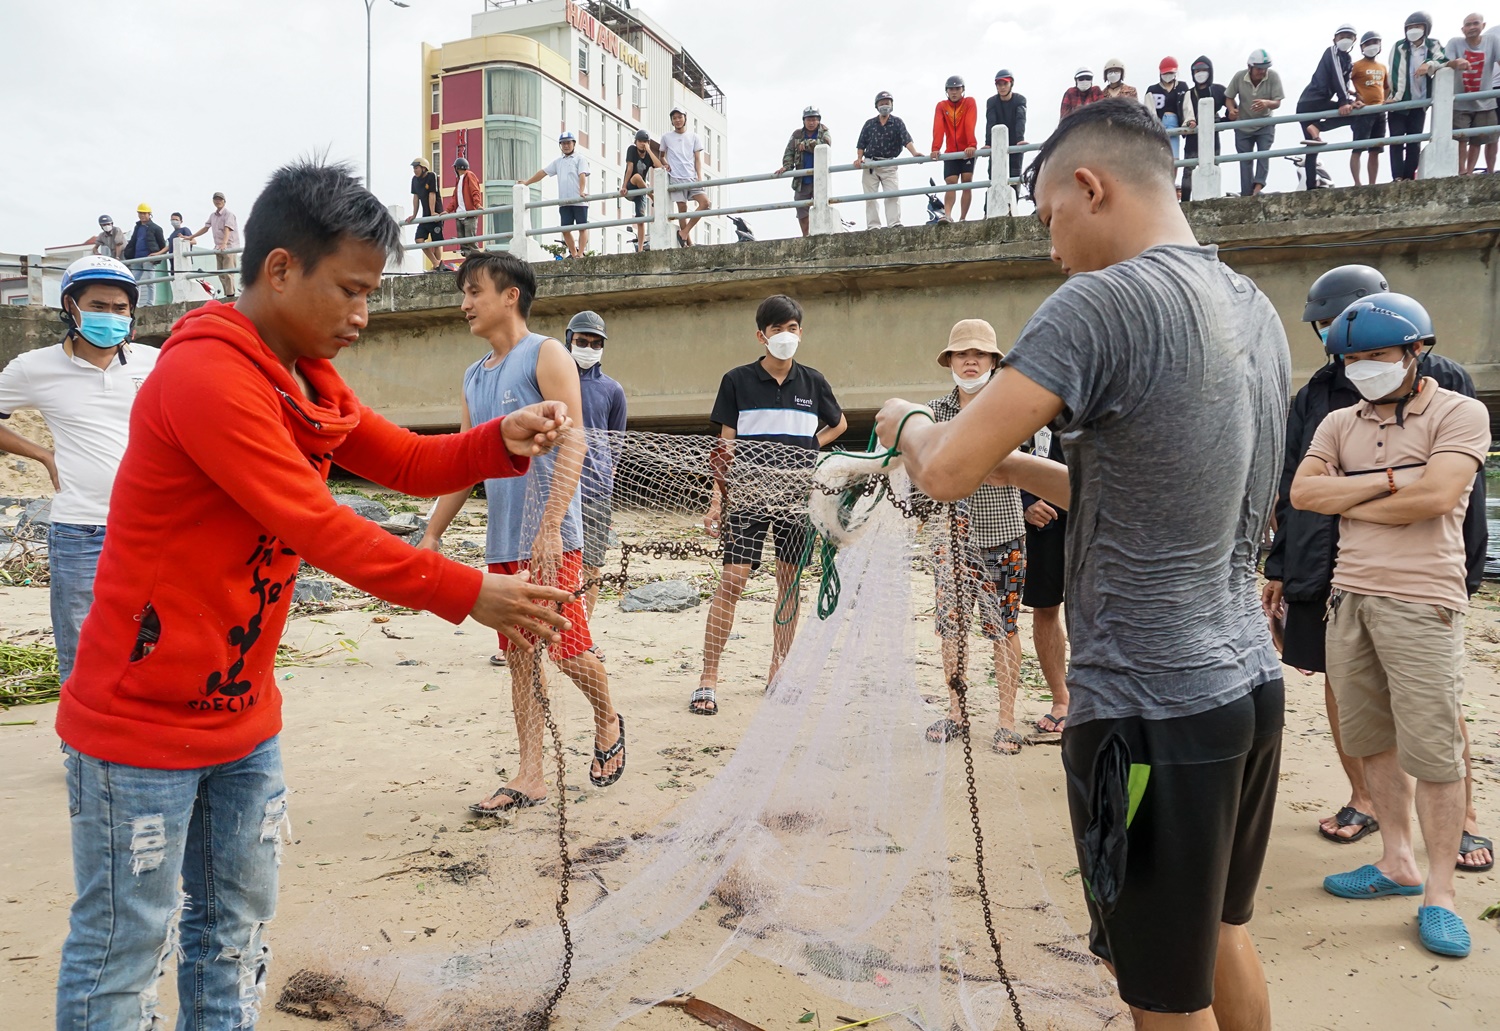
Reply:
x=879, y=305
x=24, y=328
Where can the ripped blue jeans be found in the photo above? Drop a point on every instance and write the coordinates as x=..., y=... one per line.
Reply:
x=171, y=863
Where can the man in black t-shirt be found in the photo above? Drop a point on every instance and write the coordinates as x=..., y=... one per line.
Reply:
x=1204, y=88
x=426, y=199
x=772, y=401
x=640, y=158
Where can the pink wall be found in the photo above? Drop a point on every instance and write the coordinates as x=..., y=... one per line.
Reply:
x=463, y=98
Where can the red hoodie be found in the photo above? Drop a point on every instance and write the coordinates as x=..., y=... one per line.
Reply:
x=221, y=494
x=953, y=125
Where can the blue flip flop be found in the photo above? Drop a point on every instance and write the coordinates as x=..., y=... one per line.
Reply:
x=1443, y=931
x=1366, y=883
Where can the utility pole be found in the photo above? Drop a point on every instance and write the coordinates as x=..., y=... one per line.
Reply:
x=369, y=6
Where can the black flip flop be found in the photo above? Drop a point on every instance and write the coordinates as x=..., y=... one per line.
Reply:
x=704, y=694
x=1473, y=843
x=1351, y=817
x=517, y=801
x=603, y=759
x=946, y=729
x=1009, y=737
x=498, y=659
x=1059, y=723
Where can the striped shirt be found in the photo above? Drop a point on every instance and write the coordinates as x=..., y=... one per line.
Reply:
x=756, y=407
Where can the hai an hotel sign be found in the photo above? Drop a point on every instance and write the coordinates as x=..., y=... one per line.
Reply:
x=589, y=25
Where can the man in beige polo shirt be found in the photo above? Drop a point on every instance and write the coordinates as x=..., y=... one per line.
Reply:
x=1398, y=469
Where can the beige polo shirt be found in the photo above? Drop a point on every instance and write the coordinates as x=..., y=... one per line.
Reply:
x=1421, y=562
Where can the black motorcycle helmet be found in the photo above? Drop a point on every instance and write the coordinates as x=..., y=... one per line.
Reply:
x=1340, y=287
x=955, y=82
x=1421, y=18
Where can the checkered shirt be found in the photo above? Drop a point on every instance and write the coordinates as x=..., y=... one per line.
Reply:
x=994, y=513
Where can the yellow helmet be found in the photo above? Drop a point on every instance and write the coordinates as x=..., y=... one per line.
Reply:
x=143, y=208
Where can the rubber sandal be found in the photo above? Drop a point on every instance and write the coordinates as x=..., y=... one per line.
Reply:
x=945, y=729
x=498, y=659
x=1352, y=817
x=1059, y=724
x=517, y=801
x=1443, y=931
x=1366, y=883
x=1474, y=843
x=704, y=694
x=603, y=758
x=1009, y=737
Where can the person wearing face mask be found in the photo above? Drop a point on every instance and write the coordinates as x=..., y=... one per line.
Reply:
x=799, y=155
x=1330, y=87
x=1371, y=79
x=109, y=241
x=881, y=139
x=995, y=562
x=177, y=231
x=603, y=412
x=1165, y=99
x=84, y=388
x=780, y=401
x=1203, y=88
x=1082, y=92
x=1254, y=92
x=1397, y=469
x=1299, y=567
x=1007, y=108
x=1413, y=62
x=1114, y=81
x=1480, y=53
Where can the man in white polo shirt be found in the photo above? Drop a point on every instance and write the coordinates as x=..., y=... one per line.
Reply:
x=83, y=388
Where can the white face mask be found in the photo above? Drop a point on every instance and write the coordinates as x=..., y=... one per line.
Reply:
x=1415, y=35
x=783, y=345
x=588, y=357
x=1169, y=78
x=1345, y=45
x=1375, y=380
x=1084, y=85
x=971, y=386
x=1200, y=77
x=1372, y=50
x=1112, y=77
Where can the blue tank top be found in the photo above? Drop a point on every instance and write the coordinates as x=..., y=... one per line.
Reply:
x=513, y=519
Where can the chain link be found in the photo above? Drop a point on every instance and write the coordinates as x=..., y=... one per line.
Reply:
x=540, y=693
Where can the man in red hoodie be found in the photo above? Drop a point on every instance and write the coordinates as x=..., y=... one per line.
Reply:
x=953, y=131
x=170, y=719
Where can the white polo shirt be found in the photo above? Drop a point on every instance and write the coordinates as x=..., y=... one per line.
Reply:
x=88, y=411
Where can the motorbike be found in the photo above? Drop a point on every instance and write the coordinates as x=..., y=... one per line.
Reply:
x=1325, y=181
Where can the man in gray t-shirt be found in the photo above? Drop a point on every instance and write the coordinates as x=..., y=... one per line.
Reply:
x=1166, y=374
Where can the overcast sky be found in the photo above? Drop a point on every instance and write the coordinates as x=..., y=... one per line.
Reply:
x=112, y=102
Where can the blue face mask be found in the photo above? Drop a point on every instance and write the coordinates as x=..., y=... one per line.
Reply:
x=1323, y=334
x=103, y=328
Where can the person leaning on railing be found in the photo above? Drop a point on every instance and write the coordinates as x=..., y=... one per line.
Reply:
x=881, y=139
x=1329, y=87
x=1254, y=92
x=640, y=158
x=1413, y=62
x=1480, y=51
x=799, y=154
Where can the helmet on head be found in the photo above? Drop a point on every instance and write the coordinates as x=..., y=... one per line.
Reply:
x=96, y=268
x=1370, y=37
x=1114, y=64
x=884, y=95
x=586, y=322
x=1168, y=64
x=143, y=208
x=1421, y=18
x=676, y=111
x=419, y=162
x=954, y=82
x=811, y=112
x=1344, y=30
x=105, y=220
x=567, y=137
x=1259, y=59
x=1340, y=287
x=461, y=164
x=1380, y=320
x=1005, y=73
x=642, y=135
x=1083, y=73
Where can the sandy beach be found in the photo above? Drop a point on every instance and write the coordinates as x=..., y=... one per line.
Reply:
x=395, y=721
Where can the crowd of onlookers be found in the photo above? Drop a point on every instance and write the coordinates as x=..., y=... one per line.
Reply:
x=147, y=248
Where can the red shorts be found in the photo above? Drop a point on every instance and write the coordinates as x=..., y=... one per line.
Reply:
x=575, y=640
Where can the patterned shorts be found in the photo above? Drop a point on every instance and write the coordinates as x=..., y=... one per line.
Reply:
x=996, y=580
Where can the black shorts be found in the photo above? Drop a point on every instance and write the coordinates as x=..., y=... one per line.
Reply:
x=956, y=167
x=1369, y=127
x=1192, y=855
x=1045, y=563
x=1302, y=636
x=429, y=231
x=575, y=214
x=745, y=538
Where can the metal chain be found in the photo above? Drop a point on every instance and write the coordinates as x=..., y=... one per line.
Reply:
x=562, y=833
x=960, y=686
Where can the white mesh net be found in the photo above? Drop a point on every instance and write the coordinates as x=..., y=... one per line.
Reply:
x=838, y=842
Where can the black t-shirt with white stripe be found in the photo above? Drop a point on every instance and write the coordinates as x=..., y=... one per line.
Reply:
x=756, y=407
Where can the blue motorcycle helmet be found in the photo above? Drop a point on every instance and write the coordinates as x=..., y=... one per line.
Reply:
x=1378, y=321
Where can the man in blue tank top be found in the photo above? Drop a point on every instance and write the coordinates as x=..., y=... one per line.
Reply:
x=535, y=522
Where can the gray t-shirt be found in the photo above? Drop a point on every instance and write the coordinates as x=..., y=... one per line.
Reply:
x=1482, y=60
x=1174, y=375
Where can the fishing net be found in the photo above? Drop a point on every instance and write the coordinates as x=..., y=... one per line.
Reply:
x=837, y=843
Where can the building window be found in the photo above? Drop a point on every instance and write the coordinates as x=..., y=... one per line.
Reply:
x=635, y=98
x=514, y=92
x=619, y=84
x=583, y=63
x=437, y=97
x=510, y=152
x=620, y=141
x=437, y=159
x=583, y=121
x=708, y=146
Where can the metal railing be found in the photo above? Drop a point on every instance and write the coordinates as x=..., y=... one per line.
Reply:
x=1439, y=158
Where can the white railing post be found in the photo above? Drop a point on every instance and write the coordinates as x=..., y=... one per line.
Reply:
x=820, y=220
x=1206, y=182
x=1001, y=199
x=663, y=233
x=35, y=289
x=1440, y=156
x=519, y=243
x=181, y=284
